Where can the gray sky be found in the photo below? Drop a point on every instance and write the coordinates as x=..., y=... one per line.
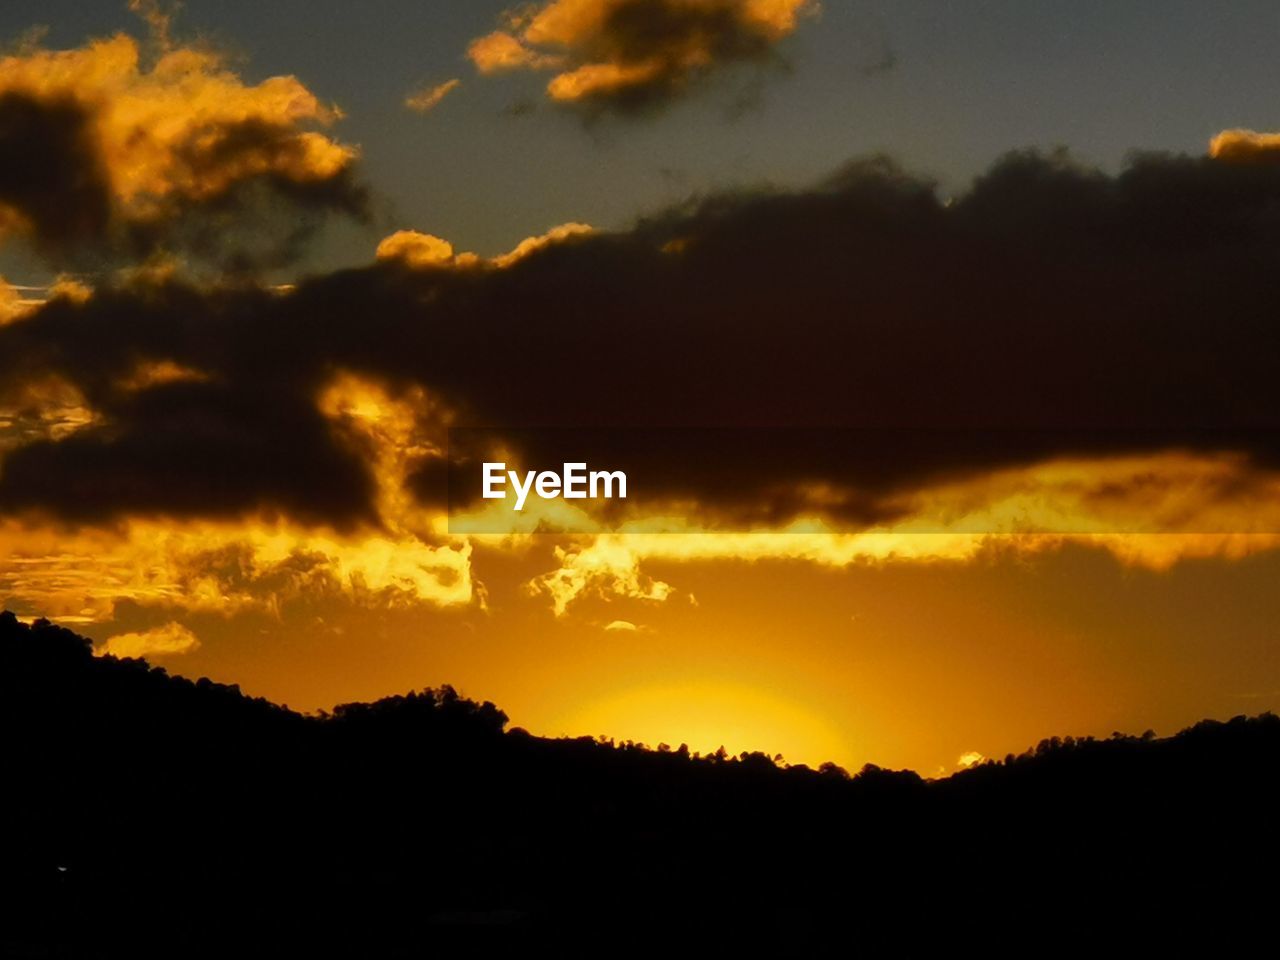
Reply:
x=945, y=87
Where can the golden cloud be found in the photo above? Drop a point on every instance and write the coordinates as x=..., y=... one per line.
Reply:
x=416, y=249
x=1245, y=146
x=627, y=54
x=156, y=373
x=18, y=301
x=428, y=98
x=723, y=318
x=423, y=250
x=498, y=51
x=172, y=639
x=255, y=562
x=115, y=147
x=407, y=558
x=621, y=626
x=1148, y=511
x=13, y=305
x=530, y=245
x=46, y=407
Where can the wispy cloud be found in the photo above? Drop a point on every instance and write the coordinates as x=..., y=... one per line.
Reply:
x=172, y=639
x=428, y=98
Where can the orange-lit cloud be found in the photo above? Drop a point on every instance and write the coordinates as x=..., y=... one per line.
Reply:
x=155, y=373
x=531, y=245
x=250, y=563
x=499, y=51
x=253, y=565
x=48, y=408
x=172, y=639
x=416, y=249
x=1197, y=506
x=259, y=563
x=108, y=146
x=632, y=54
x=17, y=301
x=12, y=303
x=231, y=445
x=428, y=98
x=158, y=18
x=419, y=250
x=611, y=566
x=1245, y=146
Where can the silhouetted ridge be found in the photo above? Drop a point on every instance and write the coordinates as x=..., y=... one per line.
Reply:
x=152, y=815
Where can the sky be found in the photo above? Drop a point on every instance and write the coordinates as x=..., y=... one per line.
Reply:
x=945, y=87
x=1004, y=268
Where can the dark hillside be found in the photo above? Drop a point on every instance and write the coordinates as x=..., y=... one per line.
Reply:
x=147, y=815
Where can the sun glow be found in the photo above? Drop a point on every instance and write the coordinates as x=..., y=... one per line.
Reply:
x=706, y=715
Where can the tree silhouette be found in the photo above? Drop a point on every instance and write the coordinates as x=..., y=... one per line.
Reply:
x=149, y=815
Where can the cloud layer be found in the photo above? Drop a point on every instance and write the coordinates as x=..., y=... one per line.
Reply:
x=1053, y=343
x=1052, y=309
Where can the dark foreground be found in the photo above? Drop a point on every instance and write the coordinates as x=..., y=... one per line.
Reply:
x=145, y=815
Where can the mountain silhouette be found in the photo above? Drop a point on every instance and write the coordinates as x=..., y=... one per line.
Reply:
x=149, y=815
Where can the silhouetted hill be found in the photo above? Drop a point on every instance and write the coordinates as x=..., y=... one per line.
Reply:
x=147, y=815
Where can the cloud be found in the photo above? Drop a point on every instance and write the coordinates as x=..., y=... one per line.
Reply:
x=41, y=408
x=172, y=639
x=19, y=301
x=611, y=566
x=159, y=17
x=13, y=305
x=1050, y=310
x=107, y=151
x=253, y=564
x=632, y=55
x=497, y=52
x=423, y=250
x=257, y=561
x=620, y=626
x=530, y=245
x=428, y=98
x=1245, y=146
x=416, y=249
x=1055, y=349
x=157, y=373
x=607, y=567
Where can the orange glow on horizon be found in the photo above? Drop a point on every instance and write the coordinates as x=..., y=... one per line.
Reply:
x=707, y=715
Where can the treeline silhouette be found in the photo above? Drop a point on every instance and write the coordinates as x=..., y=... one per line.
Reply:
x=149, y=815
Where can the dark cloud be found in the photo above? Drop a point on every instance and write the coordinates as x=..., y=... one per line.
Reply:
x=245, y=439
x=195, y=450
x=51, y=177
x=1050, y=309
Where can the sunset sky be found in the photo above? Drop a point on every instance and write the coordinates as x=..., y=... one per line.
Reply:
x=940, y=336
